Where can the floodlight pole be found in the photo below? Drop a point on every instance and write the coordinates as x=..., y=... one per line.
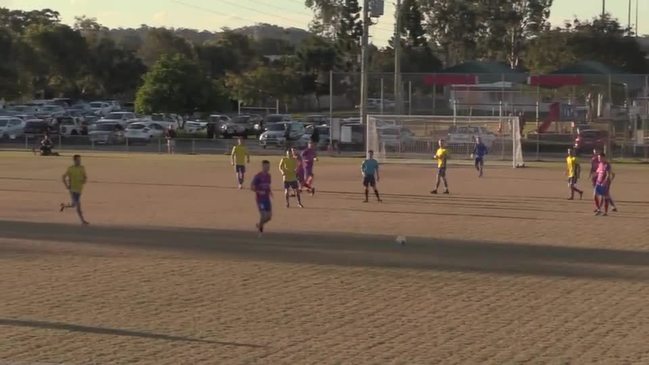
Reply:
x=364, y=57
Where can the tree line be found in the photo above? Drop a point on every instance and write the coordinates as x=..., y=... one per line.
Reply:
x=183, y=70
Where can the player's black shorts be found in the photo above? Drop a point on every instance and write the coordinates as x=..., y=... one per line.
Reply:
x=76, y=197
x=572, y=180
x=441, y=171
x=369, y=180
x=479, y=161
x=290, y=185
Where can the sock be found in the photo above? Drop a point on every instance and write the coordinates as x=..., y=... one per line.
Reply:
x=299, y=198
x=366, y=194
x=597, y=203
x=376, y=192
x=605, y=205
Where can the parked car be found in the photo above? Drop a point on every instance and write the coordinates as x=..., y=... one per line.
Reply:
x=195, y=126
x=395, y=137
x=589, y=139
x=143, y=131
x=269, y=119
x=38, y=127
x=316, y=119
x=71, y=127
x=464, y=135
x=101, y=107
x=123, y=118
x=48, y=111
x=165, y=120
x=107, y=133
x=23, y=109
x=240, y=125
x=275, y=134
x=64, y=102
x=323, y=133
x=11, y=127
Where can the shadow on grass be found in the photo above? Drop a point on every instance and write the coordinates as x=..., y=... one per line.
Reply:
x=110, y=331
x=353, y=250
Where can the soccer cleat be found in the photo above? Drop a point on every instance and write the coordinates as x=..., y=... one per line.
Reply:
x=614, y=209
x=434, y=191
x=581, y=195
x=446, y=192
x=365, y=201
x=379, y=200
x=570, y=198
x=598, y=212
x=240, y=187
x=62, y=207
x=605, y=215
x=312, y=191
x=85, y=223
x=300, y=205
x=288, y=205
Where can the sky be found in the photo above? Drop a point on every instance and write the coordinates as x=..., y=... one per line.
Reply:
x=214, y=15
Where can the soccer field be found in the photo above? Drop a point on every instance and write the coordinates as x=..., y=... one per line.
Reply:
x=504, y=270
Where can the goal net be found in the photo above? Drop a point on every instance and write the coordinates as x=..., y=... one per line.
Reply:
x=407, y=138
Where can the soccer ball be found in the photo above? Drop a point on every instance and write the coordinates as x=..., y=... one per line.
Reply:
x=401, y=240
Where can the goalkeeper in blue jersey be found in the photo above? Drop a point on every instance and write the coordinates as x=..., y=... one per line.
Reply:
x=479, y=152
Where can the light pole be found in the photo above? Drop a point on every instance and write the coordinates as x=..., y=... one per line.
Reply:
x=603, y=8
x=364, y=51
x=397, y=59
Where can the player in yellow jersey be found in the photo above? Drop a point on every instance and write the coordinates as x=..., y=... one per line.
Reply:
x=288, y=168
x=573, y=170
x=74, y=179
x=239, y=157
x=441, y=155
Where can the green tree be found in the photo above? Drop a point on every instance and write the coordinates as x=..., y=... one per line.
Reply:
x=264, y=83
x=412, y=20
x=177, y=84
x=159, y=42
x=316, y=58
x=58, y=54
x=454, y=28
x=509, y=25
x=602, y=39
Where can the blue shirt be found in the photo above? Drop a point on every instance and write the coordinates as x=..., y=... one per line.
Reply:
x=480, y=150
x=369, y=167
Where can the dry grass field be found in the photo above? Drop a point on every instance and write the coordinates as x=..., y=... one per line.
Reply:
x=170, y=271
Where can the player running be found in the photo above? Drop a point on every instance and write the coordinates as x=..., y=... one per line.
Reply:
x=441, y=156
x=370, y=171
x=261, y=186
x=309, y=156
x=288, y=168
x=239, y=157
x=74, y=179
x=479, y=152
x=573, y=171
x=602, y=183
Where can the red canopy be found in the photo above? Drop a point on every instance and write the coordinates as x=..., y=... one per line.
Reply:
x=450, y=79
x=555, y=80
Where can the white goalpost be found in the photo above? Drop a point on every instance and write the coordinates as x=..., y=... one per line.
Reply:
x=413, y=138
